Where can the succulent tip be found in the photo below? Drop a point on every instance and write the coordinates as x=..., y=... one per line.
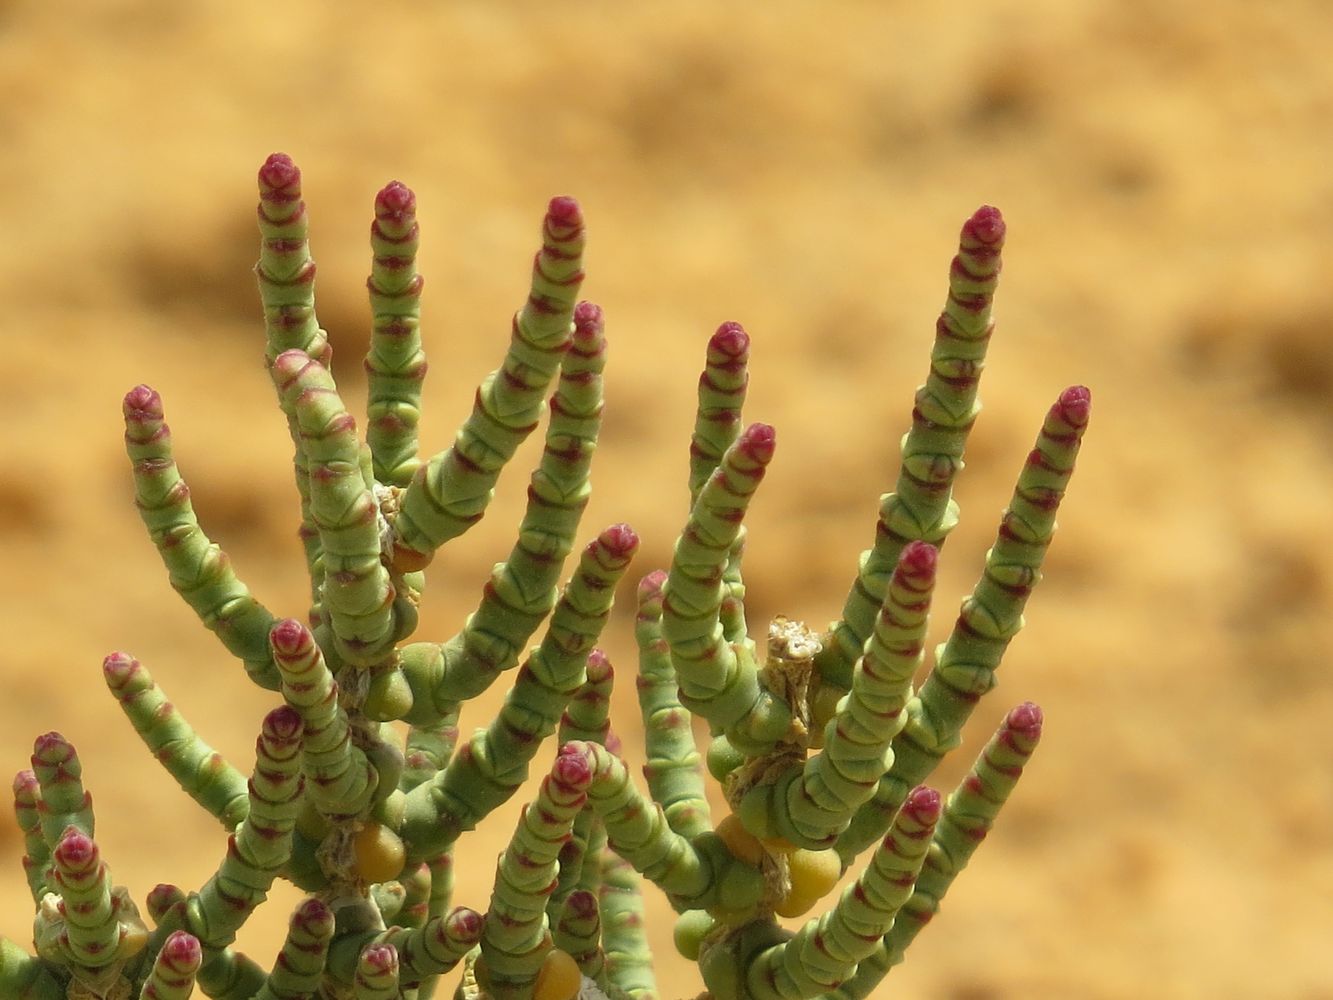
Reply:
x=289, y=637
x=918, y=559
x=923, y=804
x=572, y=769
x=1075, y=405
x=588, y=321
x=1025, y=719
x=757, y=442
x=620, y=540
x=651, y=585
x=986, y=225
x=26, y=785
x=51, y=747
x=564, y=211
x=730, y=339
x=382, y=958
x=279, y=172
x=283, y=724
x=117, y=668
x=183, y=951
x=466, y=923
x=581, y=904
x=395, y=199
x=143, y=402
x=76, y=849
x=599, y=668
x=314, y=911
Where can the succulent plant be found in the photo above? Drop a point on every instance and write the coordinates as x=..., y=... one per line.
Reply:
x=819, y=740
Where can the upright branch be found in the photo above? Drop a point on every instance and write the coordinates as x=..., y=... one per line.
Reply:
x=395, y=363
x=719, y=680
x=921, y=507
x=966, y=664
x=356, y=598
x=451, y=492
x=286, y=274
x=199, y=570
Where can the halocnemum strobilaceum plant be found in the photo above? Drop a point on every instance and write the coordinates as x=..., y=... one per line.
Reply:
x=819, y=741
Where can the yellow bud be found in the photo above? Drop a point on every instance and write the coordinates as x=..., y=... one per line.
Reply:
x=740, y=842
x=379, y=853
x=814, y=873
x=559, y=977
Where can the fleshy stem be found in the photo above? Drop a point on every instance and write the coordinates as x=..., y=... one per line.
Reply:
x=674, y=769
x=810, y=805
x=578, y=932
x=719, y=680
x=922, y=506
x=300, y=965
x=286, y=274
x=515, y=940
x=37, y=853
x=965, y=665
x=523, y=588
x=586, y=717
x=199, y=571
x=491, y=766
x=340, y=780
x=629, y=963
x=450, y=492
x=261, y=844
x=716, y=426
x=174, y=969
x=827, y=950
x=200, y=771
x=395, y=363
x=356, y=598
x=968, y=816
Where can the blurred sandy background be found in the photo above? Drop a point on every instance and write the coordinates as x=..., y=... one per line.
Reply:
x=803, y=168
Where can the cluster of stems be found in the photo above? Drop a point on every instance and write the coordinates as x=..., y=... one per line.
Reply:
x=362, y=788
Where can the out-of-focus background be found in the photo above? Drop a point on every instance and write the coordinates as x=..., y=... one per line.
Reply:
x=802, y=168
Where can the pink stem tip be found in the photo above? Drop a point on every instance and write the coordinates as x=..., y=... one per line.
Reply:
x=1075, y=405
x=564, y=213
x=1026, y=719
x=757, y=443
x=923, y=804
x=279, y=172
x=986, y=226
x=142, y=402
x=572, y=769
x=918, y=560
x=730, y=340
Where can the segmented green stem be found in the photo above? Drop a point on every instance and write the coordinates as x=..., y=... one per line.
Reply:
x=586, y=717
x=429, y=746
x=62, y=802
x=827, y=950
x=813, y=805
x=674, y=770
x=494, y=763
x=261, y=844
x=967, y=662
x=523, y=589
x=356, y=598
x=629, y=963
x=416, y=897
x=717, y=424
x=229, y=975
x=341, y=779
x=514, y=941
x=89, y=936
x=174, y=969
x=28, y=813
x=395, y=363
x=968, y=816
x=286, y=274
x=201, y=771
x=300, y=966
x=199, y=571
x=921, y=505
x=720, y=680
x=376, y=974
x=578, y=932
x=450, y=492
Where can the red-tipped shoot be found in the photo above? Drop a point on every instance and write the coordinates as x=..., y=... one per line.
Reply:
x=572, y=769
x=564, y=213
x=730, y=341
x=985, y=226
x=279, y=172
x=142, y=403
x=923, y=805
x=290, y=639
x=1074, y=405
x=757, y=443
x=182, y=953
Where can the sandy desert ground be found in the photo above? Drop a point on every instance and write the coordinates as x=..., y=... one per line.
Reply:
x=802, y=168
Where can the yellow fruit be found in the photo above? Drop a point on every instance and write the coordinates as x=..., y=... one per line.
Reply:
x=795, y=905
x=691, y=928
x=379, y=853
x=814, y=873
x=559, y=977
x=740, y=842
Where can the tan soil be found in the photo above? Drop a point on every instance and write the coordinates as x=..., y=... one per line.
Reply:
x=1165, y=173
